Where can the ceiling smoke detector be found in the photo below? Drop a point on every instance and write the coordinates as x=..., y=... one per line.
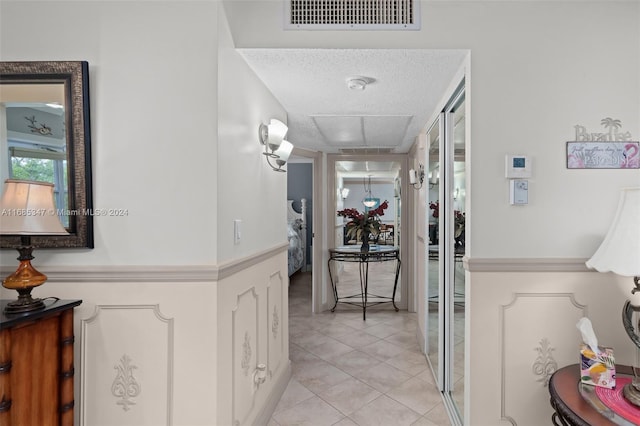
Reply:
x=359, y=83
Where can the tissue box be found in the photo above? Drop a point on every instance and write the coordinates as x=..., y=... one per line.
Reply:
x=597, y=370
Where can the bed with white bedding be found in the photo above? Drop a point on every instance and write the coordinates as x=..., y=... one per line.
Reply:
x=297, y=236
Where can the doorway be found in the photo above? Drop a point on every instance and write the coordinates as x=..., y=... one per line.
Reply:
x=314, y=160
x=370, y=176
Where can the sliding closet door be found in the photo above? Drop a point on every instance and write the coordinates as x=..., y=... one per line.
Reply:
x=445, y=292
x=435, y=289
x=455, y=194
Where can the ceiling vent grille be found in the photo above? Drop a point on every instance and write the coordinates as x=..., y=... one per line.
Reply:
x=352, y=14
x=365, y=151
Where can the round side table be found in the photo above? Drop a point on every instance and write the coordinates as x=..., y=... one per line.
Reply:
x=569, y=399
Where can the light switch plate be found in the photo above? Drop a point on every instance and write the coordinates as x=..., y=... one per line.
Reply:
x=237, y=231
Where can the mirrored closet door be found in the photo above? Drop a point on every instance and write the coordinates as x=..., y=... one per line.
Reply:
x=445, y=286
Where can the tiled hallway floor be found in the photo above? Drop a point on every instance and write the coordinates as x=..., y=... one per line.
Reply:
x=347, y=371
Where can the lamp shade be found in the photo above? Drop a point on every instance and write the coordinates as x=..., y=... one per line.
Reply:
x=28, y=208
x=284, y=151
x=277, y=132
x=620, y=251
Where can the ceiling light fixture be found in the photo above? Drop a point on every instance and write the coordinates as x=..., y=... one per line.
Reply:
x=368, y=200
x=359, y=82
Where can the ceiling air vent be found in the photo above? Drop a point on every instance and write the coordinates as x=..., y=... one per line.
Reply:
x=366, y=151
x=352, y=15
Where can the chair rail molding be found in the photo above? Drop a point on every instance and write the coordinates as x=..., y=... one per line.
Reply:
x=152, y=273
x=525, y=264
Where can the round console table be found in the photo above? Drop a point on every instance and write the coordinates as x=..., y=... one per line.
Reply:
x=576, y=404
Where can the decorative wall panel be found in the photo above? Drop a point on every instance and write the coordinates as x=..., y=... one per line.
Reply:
x=127, y=366
x=275, y=303
x=538, y=334
x=245, y=356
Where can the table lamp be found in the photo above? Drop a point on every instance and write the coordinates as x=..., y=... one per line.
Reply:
x=27, y=208
x=620, y=253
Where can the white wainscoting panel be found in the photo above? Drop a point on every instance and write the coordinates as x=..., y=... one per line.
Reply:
x=246, y=347
x=532, y=351
x=127, y=359
x=522, y=326
x=275, y=322
x=252, y=317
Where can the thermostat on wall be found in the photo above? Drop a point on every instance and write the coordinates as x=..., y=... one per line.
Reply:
x=517, y=166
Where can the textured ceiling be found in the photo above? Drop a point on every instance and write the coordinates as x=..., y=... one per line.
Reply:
x=323, y=114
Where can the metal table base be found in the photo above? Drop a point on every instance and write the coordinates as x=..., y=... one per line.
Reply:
x=363, y=258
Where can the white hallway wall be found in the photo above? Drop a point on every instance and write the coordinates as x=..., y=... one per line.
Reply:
x=536, y=70
x=177, y=147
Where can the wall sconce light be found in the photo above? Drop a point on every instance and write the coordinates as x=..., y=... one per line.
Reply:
x=32, y=212
x=416, y=177
x=271, y=136
x=281, y=156
x=344, y=193
x=275, y=146
x=434, y=178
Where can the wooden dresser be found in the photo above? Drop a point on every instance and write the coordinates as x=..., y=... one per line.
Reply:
x=36, y=366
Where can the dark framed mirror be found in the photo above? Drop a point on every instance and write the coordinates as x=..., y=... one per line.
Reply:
x=45, y=135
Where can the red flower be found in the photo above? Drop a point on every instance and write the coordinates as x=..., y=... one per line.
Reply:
x=436, y=209
x=363, y=224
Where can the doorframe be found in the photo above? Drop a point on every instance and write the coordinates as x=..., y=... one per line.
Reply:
x=406, y=227
x=317, y=234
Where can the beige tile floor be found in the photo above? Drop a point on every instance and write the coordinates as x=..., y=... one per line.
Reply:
x=347, y=371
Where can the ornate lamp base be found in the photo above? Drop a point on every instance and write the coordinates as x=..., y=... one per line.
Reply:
x=23, y=280
x=631, y=394
x=24, y=303
x=631, y=391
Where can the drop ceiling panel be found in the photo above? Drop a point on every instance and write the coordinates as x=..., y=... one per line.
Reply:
x=385, y=131
x=340, y=130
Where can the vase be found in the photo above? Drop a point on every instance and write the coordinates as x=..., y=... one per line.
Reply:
x=365, y=242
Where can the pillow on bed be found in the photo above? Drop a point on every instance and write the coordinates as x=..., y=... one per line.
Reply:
x=293, y=226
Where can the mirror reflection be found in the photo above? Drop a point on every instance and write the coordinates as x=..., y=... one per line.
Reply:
x=36, y=137
x=45, y=136
x=446, y=286
x=363, y=186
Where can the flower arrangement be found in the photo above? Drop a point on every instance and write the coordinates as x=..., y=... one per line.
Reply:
x=459, y=221
x=363, y=223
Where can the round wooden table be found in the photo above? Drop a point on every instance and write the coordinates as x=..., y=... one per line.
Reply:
x=568, y=399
